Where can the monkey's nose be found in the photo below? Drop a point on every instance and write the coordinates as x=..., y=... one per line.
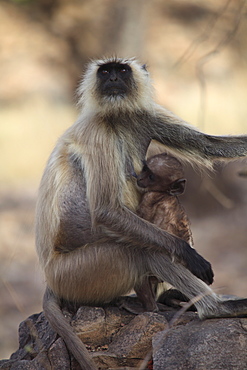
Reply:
x=113, y=76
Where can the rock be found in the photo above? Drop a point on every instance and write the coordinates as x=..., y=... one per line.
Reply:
x=132, y=342
x=136, y=338
x=95, y=325
x=210, y=344
x=118, y=339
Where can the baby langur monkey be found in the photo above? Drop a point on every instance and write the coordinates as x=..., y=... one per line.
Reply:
x=162, y=180
x=92, y=245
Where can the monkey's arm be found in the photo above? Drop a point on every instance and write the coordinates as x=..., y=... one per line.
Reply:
x=194, y=145
x=115, y=220
x=129, y=228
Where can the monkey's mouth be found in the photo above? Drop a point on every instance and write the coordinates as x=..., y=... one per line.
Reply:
x=140, y=184
x=115, y=92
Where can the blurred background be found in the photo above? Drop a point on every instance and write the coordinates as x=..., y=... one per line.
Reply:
x=197, y=55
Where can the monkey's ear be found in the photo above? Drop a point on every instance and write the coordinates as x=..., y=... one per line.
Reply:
x=177, y=187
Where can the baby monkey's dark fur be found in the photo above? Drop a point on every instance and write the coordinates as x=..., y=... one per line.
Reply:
x=162, y=179
x=91, y=244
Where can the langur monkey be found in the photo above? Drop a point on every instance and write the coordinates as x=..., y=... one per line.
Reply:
x=162, y=180
x=92, y=245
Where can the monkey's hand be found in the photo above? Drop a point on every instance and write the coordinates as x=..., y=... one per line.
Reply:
x=196, y=264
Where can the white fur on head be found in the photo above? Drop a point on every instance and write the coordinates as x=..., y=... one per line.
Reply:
x=142, y=97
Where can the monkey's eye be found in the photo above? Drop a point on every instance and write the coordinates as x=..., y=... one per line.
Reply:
x=123, y=70
x=151, y=177
x=104, y=71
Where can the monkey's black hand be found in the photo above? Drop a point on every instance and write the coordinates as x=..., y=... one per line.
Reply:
x=198, y=265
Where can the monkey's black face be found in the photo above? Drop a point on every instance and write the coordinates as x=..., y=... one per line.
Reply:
x=114, y=79
x=146, y=178
x=163, y=182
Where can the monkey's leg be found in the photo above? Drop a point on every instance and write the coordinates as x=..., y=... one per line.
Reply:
x=146, y=293
x=95, y=274
x=174, y=298
x=98, y=274
x=208, y=304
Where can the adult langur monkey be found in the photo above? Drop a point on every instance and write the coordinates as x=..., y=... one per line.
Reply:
x=91, y=244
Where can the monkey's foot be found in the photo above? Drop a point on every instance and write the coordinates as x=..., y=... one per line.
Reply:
x=134, y=305
x=174, y=298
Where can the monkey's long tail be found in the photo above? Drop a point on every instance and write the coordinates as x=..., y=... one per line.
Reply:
x=61, y=326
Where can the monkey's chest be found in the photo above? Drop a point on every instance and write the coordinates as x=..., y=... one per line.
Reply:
x=131, y=195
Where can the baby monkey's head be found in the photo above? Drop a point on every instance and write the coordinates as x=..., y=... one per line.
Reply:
x=162, y=173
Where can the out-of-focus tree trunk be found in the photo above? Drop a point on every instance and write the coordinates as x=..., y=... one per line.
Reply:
x=127, y=26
